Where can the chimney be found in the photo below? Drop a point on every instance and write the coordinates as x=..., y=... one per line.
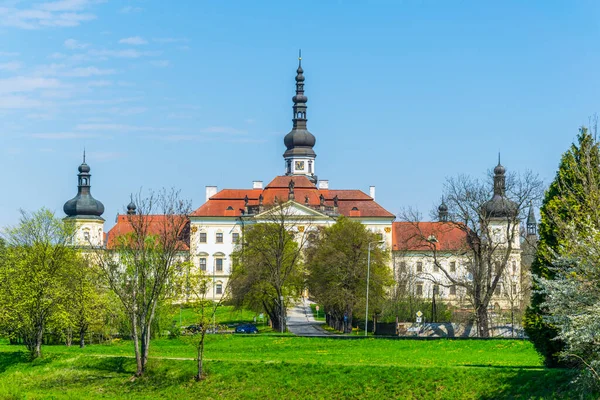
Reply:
x=210, y=192
x=372, y=192
x=257, y=184
x=323, y=184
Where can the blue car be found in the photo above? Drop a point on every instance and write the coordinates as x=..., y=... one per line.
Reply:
x=246, y=328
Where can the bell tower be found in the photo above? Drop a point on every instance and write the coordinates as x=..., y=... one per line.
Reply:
x=300, y=156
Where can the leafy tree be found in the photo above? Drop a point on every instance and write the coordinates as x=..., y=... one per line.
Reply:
x=336, y=262
x=267, y=266
x=197, y=288
x=88, y=301
x=570, y=199
x=143, y=265
x=36, y=265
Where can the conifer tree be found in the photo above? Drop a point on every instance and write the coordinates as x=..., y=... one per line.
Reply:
x=566, y=203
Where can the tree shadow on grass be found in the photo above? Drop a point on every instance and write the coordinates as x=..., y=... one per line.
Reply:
x=522, y=383
x=9, y=359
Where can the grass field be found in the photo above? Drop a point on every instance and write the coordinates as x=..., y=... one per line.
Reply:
x=272, y=367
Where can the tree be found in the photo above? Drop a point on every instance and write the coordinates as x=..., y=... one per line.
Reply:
x=36, y=265
x=87, y=300
x=267, y=266
x=143, y=264
x=336, y=260
x=490, y=224
x=567, y=233
x=197, y=287
x=569, y=200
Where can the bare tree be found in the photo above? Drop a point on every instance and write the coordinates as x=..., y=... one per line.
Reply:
x=143, y=263
x=489, y=221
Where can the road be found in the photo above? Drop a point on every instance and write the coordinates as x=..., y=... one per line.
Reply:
x=302, y=323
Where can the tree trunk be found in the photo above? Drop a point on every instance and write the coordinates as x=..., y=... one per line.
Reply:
x=81, y=338
x=482, y=322
x=136, y=345
x=200, y=356
x=69, y=337
x=37, y=351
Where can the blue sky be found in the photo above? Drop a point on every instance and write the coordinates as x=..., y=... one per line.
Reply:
x=191, y=93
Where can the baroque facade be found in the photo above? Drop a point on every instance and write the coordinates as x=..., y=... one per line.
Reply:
x=217, y=226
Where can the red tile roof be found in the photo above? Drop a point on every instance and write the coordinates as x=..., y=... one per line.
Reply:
x=156, y=225
x=217, y=205
x=415, y=236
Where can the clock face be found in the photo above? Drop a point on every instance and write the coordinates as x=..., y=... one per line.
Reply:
x=300, y=165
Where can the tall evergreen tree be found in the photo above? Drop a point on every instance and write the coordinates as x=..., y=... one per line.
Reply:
x=566, y=203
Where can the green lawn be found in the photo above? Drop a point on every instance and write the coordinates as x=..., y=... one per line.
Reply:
x=225, y=315
x=266, y=367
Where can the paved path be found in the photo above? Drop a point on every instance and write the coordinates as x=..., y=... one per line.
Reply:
x=302, y=323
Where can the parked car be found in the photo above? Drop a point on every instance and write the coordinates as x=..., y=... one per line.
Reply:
x=246, y=328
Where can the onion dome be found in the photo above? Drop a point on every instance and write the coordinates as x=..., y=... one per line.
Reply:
x=131, y=207
x=299, y=142
x=443, y=212
x=499, y=206
x=84, y=205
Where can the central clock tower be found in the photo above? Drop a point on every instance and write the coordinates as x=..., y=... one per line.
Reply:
x=300, y=156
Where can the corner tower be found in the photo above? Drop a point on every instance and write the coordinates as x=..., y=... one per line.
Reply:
x=85, y=212
x=300, y=156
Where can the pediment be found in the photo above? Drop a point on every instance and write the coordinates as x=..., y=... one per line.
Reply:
x=292, y=210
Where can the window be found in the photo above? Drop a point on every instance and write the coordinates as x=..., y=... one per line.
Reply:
x=453, y=266
x=514, y=289
x=86, y=235
x=219, y=288
x=497, y=290
x=219, y=237
x=203, y=264
x=514, y=267
x=235, y=237
x=419, y=289
x=436, y=268
x=219, y=264
x=453, y=290
x=403, y=266
x=202, y=237
x=419, y=266
x=436, y=289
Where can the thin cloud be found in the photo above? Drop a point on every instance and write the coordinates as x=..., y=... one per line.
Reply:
x=63, y=136
x=224, y=130
x=105, y=156
x=120, y=127
x=18, y=84
x=73, y=44
x=131, y=10
x=134, y=40
x=170, y=40
x=10, y=66
x=160, y=63
x=13, y=102
x=89, y=71
x=128, y=53
x=64, y=13
x=8, y=53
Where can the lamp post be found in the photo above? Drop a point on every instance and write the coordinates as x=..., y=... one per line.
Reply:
x=368, y=275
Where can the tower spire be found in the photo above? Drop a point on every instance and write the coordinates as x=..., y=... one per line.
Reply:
x=300, y=156
x=531, y=223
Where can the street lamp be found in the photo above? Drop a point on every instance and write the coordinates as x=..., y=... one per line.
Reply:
x=368, y=275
